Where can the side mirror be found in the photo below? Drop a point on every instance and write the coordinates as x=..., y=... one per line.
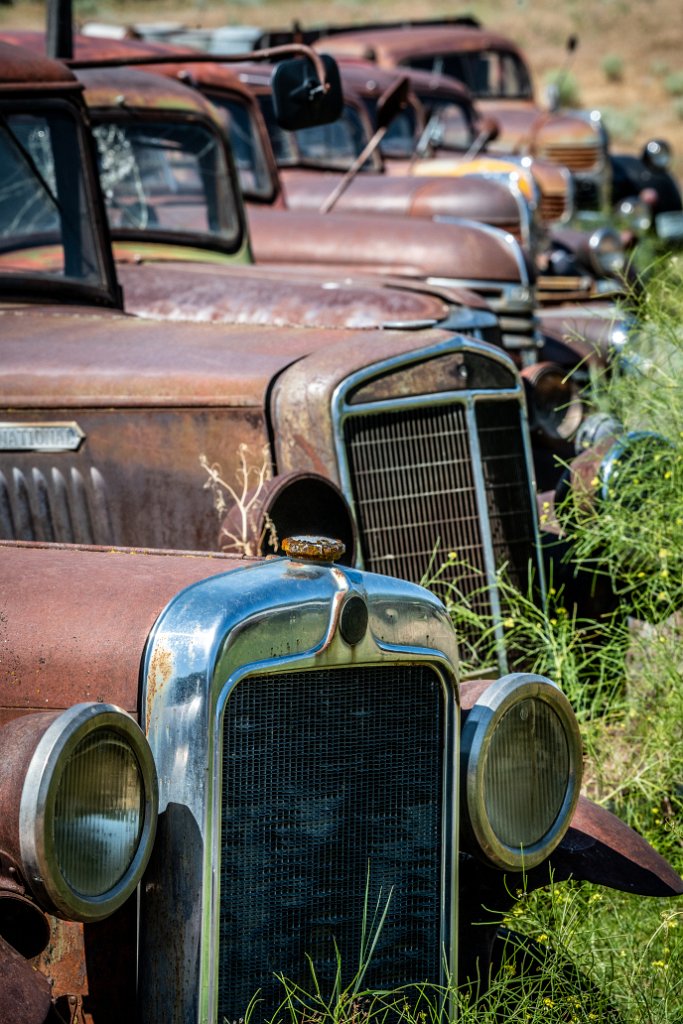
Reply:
x=300, y=100
x=391, y=102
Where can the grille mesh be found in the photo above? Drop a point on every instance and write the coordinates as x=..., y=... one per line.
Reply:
x=328, y=775
x=414, y=490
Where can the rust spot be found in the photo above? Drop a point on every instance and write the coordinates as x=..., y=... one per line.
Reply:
x=160, y=672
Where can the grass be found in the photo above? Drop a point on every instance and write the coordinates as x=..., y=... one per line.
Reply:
x=592, y=953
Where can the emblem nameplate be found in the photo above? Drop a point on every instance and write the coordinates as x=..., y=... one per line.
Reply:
x=40, y=437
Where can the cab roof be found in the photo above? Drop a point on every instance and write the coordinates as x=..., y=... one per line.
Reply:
x=393, y=45
x=22, y=69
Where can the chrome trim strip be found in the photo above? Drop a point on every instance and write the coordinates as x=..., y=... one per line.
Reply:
x=500, y=235
x=486, y=540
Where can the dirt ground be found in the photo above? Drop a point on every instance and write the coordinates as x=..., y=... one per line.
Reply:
x=629, y=61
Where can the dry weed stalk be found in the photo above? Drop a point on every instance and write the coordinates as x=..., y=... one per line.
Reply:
x=238, y=507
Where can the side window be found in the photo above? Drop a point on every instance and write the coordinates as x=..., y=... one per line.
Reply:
x=29, y=208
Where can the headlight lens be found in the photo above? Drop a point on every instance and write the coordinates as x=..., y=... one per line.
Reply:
x=88, y=812
x=99, y=813
x=521, y=771
x=607, y=252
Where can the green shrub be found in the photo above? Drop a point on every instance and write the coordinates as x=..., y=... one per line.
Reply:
x=673, y=83
x=566, y=85
x=613, y=67
x=622, y=124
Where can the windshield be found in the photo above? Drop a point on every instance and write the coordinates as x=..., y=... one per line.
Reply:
x=333, y=146
x=46, y=214
x=487, y=73
x=167, y=179
x=247, y=147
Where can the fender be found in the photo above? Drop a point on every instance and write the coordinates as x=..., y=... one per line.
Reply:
x=600, y=848
x=25, y=992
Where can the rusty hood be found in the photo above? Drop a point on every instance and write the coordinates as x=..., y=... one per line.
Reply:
x=258, y=295
x=57, y=359
x=478, y=199
x=400, y=246
x=62, y=644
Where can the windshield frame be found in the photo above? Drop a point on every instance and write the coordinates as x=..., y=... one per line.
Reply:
x=24, y=285
x=220, y=99
x=372, y=165
x=431, y=63
x=231, y=244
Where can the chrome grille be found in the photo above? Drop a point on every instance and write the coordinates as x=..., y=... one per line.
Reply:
x=575, y=158
x=332, y=783
x=49, y=504
x=553, y=207
x=414, y=480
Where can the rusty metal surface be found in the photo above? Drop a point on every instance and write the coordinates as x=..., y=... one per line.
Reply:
x=112, y=88
x=26, y=994
x=585, y=328
x=305, y=437
x=474, y=198
x=22, y=69
x=74, y=623
x=600, y=848
x=65, y=360
x=370, y=243
x=313, y=549
x=391, y=46
x=255, y=295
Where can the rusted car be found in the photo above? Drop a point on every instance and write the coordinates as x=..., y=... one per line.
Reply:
x=103, y=430
x=496, y=73
x=211, y=766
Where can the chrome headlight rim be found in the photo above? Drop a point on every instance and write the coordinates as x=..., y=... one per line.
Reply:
x=37, y=811
x=478, y=731
x=607, y=253
x=657, y=154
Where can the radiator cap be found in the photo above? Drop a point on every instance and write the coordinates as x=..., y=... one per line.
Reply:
x=313, y=548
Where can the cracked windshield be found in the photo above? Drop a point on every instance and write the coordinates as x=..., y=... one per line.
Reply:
x=166, y=179
x=45, y=218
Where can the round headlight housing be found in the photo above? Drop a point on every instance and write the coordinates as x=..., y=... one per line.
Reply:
x=521, y=770
x=88, y=812
x=607, y=253
x=636, y=215
x=657, y=154
x=555, y=406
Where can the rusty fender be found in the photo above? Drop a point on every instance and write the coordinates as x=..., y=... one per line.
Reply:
x=25, y=993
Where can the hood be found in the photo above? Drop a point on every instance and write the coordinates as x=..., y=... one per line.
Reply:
x=64, y=360
x=478, y=199
x=402, y=246
x=255, y=295
x=50, y=666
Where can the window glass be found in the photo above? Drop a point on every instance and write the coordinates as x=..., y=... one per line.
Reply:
x=166, y=178
x=46, y=219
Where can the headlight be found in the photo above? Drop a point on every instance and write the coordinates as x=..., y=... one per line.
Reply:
x=555, y=406
x=635, y=215
x=607, y=252
x=88, y=812
x=657, y=154
x=521, y=770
